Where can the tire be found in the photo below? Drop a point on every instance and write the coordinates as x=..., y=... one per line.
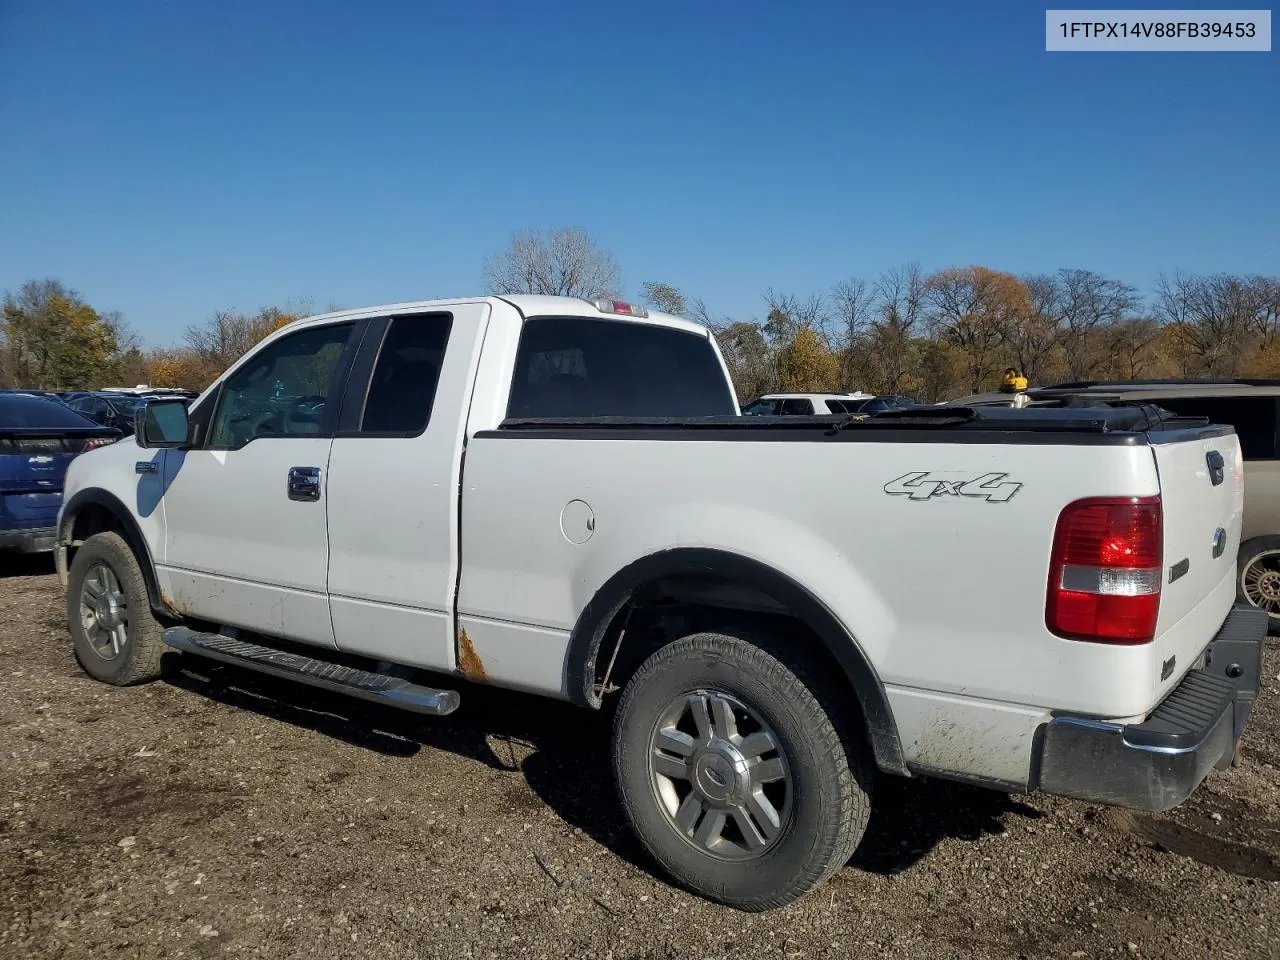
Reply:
x=821, y=795
x=1258, y=577
x=116, y=642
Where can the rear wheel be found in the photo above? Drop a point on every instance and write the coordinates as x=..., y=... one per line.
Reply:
x=737, y=770
x=1258, y=580
x=115, y=636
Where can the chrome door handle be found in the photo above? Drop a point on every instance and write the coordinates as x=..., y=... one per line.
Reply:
x=304, y=483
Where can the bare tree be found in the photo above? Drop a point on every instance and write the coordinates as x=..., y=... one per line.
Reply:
x=1090, y=302
x=1035, y=339
x=851, y=302
x=564, y=262
x=852, y=305
x=1131, y=344
x=900, y=292
x=699, y=312
x=1210, y=320
x=664, y=297
x=1266, y=310
x=789, y=313
x=890, y=351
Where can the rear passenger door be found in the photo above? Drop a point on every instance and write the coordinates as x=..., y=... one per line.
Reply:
x=393, y=486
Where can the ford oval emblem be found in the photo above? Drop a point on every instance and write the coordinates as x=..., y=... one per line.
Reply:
x=1219, y=542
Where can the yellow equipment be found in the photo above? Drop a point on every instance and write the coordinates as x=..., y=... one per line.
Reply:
x=1013, y=381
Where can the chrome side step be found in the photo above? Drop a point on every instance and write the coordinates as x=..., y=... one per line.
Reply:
x=363, y=684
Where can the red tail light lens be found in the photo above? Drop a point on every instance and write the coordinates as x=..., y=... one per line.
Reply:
x=95, y=443
x=1106, y=570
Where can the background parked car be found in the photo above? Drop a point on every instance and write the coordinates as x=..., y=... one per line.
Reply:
x=808, y=404
x=38, y=439
x=109, y=409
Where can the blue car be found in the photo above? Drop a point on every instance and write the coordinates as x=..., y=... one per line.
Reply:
x=38, y=438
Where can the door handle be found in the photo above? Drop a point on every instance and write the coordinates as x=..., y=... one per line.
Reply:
x=1217, y=466
x=304, y=483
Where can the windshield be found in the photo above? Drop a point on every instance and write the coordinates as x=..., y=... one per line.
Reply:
x=19, y=412
x=125, y=405
x=761, y=408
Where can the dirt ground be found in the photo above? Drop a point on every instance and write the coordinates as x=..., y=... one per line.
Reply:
x=216, y=814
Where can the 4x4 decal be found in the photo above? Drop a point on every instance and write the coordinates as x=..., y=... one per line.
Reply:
x=924, y=485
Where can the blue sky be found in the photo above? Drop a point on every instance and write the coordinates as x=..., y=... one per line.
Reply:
x=171, y=158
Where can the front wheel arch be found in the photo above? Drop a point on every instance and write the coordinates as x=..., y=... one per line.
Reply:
x=95, y=511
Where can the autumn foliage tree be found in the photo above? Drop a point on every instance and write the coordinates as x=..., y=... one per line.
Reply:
x=50, y=338
x=929, y=336
x=807, y=366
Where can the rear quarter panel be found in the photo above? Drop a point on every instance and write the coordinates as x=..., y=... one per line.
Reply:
x=944, y=595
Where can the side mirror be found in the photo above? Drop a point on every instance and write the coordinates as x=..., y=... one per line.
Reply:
x=160, y=423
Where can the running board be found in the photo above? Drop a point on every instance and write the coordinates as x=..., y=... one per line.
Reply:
x=363, y=684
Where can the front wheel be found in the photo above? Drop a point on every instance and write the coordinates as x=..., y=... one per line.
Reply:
x=738, y=771
x=116, y=637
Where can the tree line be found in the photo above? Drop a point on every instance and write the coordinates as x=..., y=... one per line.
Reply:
x=942, y=334
x=51, y=339
x=927, y=335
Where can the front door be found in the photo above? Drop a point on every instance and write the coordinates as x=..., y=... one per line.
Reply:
x=245, y=540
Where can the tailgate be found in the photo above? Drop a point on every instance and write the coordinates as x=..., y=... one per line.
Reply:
x=1202, y=492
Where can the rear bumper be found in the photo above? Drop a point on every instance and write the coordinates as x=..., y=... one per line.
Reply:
x=33, y=540
x=1156, y=764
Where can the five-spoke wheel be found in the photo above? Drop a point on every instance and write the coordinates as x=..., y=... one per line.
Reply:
x=720, y=774
x=104, y=612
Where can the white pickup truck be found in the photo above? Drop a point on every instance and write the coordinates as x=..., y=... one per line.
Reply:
x=561, y=497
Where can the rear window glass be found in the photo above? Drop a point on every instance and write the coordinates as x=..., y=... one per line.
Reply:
x=35, y=412
x=1253, y=417
x=584, y=367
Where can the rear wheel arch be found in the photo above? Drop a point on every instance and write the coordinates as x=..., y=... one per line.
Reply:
x=95, y=511
x=604, y=616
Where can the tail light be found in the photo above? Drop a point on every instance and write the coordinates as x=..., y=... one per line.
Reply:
x=1105, y=570
x=95, y=442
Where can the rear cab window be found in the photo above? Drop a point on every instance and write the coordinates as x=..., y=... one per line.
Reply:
x=575, y=367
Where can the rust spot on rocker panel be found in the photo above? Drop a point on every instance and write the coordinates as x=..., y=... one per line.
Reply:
x=168, y=602
x=469, y=663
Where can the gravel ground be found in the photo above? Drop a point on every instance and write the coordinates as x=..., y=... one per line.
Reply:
x=220, y=814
